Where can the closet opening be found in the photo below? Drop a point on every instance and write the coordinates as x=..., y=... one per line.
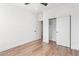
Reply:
x=60, y=30
x=42, y=30
x=52, y=30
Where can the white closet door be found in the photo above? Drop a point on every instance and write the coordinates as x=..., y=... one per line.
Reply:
x=63, y=31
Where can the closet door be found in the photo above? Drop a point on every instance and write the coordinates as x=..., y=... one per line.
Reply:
x=63, y=31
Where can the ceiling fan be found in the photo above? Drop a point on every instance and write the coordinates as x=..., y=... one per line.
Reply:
x=45, y=4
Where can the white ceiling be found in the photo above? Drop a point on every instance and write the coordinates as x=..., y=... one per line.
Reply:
x=37, y=7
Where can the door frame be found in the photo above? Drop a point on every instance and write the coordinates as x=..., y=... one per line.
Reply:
x=70, y=28
x=70, y=31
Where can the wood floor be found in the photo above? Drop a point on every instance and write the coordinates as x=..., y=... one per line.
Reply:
x=38, y=48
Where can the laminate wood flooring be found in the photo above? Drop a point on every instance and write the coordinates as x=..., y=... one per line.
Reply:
x=39, y=48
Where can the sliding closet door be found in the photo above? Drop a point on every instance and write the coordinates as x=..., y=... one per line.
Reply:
x=63, y=31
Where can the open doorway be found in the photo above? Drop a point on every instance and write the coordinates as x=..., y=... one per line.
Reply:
x=41, y=29
x=60, y=30
x=52, y=29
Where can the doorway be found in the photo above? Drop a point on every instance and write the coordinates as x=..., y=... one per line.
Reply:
x=52, y=29
x=41, y=29
x=60, y=30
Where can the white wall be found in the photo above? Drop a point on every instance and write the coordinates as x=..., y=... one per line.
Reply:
x=75, y=29
x=38, y=28
x=45, y=29
x=17, y=26
x=52, y=13
x=64, y=10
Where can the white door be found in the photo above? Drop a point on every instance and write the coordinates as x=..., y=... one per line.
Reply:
x=63, y=31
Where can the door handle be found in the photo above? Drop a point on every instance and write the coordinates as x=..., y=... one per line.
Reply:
x=34, y=30
x=56, y=32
